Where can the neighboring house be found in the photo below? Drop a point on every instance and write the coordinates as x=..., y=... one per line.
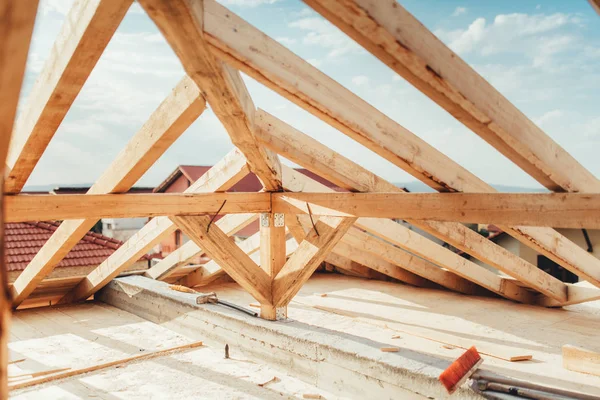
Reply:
x=184, y=175
x=24, y=240
x=587, y=239
x=116, y=228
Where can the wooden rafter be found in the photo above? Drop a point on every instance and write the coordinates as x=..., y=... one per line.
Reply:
x=230, y=257
x=16, y=26
x=595, y=5
x=174, y=115
x=221, y=177
x=88, y=28
x=167, y=266
x=251, y=51
x=419, y=245
x=400, y=41
x=181, y=23
x=309, y=153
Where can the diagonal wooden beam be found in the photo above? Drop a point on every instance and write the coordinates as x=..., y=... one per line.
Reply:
x=251, y=51
x=221, y=177
x=309, y=153
x=413, y=242
x=169, y=265
x=595, y=5
x=230, y=257
x=164, y=126
x=311, y=252
x=88, y=28
x=181, y=23
x=16, y=26
x=400, y=41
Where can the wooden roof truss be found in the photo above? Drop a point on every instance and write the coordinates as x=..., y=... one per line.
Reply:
x=345, y=229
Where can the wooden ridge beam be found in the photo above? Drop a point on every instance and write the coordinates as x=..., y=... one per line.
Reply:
x=87, y=29
x=392, y=34
x=165, y=125
x=251, y=51
x=309, y=153
x=221, y=177
x=16, y=27
x=413, y=242
x=181, y=23
x=561, y=210
x=234, y=261
x=169, y=265
x=96, y=206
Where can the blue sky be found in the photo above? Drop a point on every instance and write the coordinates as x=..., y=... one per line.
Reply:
x=542, y=55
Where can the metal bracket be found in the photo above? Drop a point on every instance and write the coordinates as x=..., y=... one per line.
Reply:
x=281, y=313
x=264, y=220
x=278, y=220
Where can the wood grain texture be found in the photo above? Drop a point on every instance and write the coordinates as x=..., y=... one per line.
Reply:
x=181, y=23
x=561, y=210
x=222, y=176
x=229, y=224
x=392, y=34
x=581, y=360
x=318, y=158
x=311, y=252
x=172, y=117
x=22, y=208
x=234, y=261
x=88, y=28
x=16, y=26
x=264, y=59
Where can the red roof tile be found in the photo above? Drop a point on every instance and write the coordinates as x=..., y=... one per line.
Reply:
x=23, y=240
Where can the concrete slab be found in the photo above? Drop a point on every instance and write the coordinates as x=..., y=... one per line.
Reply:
x=342, y=363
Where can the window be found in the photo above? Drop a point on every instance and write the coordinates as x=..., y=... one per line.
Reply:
x=177, y=239
x=552, y=268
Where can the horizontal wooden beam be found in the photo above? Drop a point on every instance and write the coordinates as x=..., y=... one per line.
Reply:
x=561, y=210
x=95, y=206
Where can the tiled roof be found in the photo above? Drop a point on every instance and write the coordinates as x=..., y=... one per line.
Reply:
x=23, y=240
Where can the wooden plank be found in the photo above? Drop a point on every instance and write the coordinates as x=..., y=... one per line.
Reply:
x=266, y=60
x=109, y=364
x=222, y=176
x=581, y=360
x=181, y=23
x=16, y=27
x=400, y=41
x=164, y=126
x=577, y=293
x=563, y=210
x=22, y=208
x=167, y=266
x=419, y=245
x=359, y=245
x=272, y=257
x=327, y=232
x=309, y=153
x=88, y=28
x=230, y=257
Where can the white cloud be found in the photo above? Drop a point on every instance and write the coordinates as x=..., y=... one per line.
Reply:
x=247, y=3
x=459, y=11
x=360, y=80
x=540, y=35
x=322, y=33
x=549, y=117
x=286, y=41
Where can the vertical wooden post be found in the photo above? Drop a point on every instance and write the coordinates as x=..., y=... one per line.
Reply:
x=5, y=303
x=272, y=257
